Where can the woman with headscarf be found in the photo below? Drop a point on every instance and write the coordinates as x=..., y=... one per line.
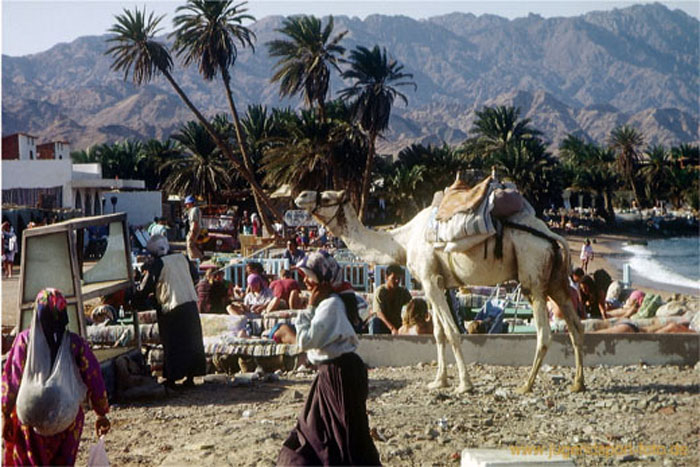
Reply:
x=333, y=428
x=23, y=445
x=258, y=295
x=171, y=278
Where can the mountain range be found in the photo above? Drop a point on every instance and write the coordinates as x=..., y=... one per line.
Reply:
x=583, y=75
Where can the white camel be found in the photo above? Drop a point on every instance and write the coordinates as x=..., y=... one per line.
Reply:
x=536, y=261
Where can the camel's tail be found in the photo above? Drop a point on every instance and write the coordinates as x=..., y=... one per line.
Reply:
x=552, y=238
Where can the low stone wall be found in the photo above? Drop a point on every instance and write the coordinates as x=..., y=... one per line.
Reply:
x=518, y=350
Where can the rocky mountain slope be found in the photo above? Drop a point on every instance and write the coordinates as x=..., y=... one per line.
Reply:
x=582, y=75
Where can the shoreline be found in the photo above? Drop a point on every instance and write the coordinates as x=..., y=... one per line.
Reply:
x=610, y=256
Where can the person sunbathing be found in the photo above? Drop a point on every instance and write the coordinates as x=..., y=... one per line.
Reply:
x=630, y=327
x=630, y=307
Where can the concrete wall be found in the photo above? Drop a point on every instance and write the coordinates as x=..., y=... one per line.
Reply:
x=140, y=206
x=519, y=349
x=87, y=171
x=39, y=174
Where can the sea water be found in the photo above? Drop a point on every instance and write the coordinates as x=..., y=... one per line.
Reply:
x=670, y=261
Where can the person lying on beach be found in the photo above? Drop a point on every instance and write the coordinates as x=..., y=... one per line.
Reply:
x=629, y=326
x=555, y=312
x=417, y=319
x=630, y=307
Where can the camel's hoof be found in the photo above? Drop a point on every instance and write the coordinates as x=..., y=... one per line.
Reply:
x=438, y=384
x=464, y=388
x=577, y=387
x=524, y=389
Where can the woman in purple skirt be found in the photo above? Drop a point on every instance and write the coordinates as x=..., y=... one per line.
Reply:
x=333, y=428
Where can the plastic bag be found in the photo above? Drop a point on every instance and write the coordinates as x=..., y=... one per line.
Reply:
x=98, y=454
x=49, y=397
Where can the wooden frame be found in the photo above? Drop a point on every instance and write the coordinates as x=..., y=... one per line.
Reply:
x=82, y=291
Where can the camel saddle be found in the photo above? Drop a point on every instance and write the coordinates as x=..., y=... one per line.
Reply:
x=459, y=197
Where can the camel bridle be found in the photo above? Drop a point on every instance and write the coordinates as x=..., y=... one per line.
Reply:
x=339, y=213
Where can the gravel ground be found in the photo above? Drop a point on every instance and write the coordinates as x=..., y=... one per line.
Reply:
x=220, y=423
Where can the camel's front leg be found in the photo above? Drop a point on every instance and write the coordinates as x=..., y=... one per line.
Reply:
x=441, y=376
x=442, y=320
x=544, y=337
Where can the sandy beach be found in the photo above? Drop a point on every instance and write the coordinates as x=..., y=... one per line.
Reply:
x=609, y=255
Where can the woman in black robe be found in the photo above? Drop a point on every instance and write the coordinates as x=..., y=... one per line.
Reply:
x=170, y=278
x=333, y=428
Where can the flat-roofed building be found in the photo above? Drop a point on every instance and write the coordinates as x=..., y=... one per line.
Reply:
x=19, y=146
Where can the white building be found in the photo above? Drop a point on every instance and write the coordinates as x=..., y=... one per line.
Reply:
x=53, y=181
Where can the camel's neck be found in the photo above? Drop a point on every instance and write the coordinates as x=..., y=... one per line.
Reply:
x=368, y=244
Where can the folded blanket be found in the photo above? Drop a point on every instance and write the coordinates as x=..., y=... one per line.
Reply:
x=460, y=198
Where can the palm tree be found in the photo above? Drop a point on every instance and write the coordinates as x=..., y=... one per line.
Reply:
x=373, y=93
x=302, y=155
x=627, y=142
x=497, y=127
x=440, y=164
x=535, y=171
x=207, y=33
x=136, y=52
x=120, y=159
x=401, y=185
x=153, y=155
x=308, y=152
x=591, y=169
x=305, y=59
x=202, y=170
x=84, y=156
x=656, y=171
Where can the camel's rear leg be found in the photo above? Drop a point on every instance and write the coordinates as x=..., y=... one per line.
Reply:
x=446, y=328
x=544, y=337
x=575, y=327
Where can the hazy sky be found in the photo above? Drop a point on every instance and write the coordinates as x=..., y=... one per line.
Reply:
x=30, y=26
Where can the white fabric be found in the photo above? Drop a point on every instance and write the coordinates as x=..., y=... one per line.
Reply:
x=98, y=454
x=158, y=245
x=175, y=287
x=261, y=298
x=324, y=332
x=49, y=396
x=586, y=251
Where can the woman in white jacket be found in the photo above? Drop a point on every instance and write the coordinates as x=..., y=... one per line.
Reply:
x=333, y=428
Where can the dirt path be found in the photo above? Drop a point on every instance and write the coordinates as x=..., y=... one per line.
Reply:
x=219, y=424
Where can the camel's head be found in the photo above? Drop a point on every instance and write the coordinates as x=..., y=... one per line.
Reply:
x=325, y=206
x=315, y=201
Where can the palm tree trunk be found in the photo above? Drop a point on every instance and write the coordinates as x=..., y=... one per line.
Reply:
x=322, y=110
x=367, y=177
x=635, y=192
x=259, y=199
x=255, y=186
x=609, y=211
